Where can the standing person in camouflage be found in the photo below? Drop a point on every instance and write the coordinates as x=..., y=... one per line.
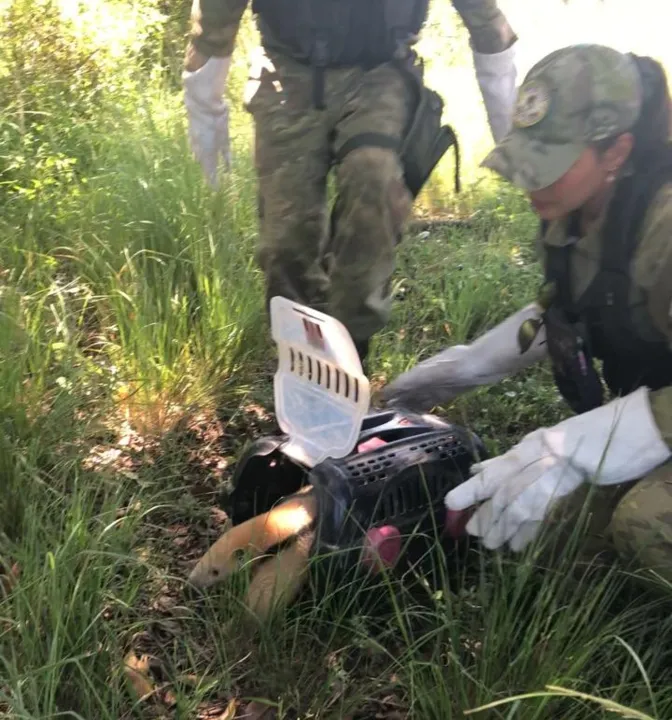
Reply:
x=590, y=144
x=337, y=85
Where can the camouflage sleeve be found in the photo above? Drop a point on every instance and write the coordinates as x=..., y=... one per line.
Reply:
x=215, y=25
x=652, y=270
x=486, y=24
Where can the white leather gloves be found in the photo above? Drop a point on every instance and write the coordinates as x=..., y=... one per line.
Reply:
x=208, y=115
x=612, y=444
x=491, y=357
x=496, y=76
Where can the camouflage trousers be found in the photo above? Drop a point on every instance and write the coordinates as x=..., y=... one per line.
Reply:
x=341, y=264
x=632, y=521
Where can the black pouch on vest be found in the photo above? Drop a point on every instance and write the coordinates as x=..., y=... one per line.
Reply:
x=572, y=362
x=426, y=140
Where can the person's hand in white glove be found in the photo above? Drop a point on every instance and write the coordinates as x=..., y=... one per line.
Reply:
x=615, y=443
x=204, y=81
x=491, y=357
x=496, y=76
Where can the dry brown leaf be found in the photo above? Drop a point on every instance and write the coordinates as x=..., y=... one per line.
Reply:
x=257, y=410
x=195, y=680
x=136, y=670
x=218, y=516
x=8, y=581
x=163, y=603
x=217, y=711
x=190, y=679
x=230, y=712
x=258, y=710
x=169, y=698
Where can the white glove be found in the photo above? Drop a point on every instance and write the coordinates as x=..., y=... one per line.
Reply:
x=496, y=76
x=460, y=368
x=208, y=114
x=612, y=444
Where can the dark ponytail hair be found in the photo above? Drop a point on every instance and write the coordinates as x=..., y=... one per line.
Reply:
x=651, y=132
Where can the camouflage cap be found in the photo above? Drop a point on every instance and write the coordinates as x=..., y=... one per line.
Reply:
x=573, y=97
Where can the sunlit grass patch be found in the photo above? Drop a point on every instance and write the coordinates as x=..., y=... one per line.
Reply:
x=136, y=363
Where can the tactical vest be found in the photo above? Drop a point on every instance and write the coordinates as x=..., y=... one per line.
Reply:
x=337, y=33
x=604, y=324
x=340, y=33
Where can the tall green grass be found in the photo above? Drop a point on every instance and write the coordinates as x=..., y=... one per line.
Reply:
x=134, y=356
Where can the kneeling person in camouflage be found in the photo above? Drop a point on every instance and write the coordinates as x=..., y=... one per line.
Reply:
x=337, y=85
x=590, y=145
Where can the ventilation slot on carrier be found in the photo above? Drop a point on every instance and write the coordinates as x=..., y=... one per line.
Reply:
x=323, y=374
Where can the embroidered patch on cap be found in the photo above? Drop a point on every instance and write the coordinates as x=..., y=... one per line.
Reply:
x=532, y=104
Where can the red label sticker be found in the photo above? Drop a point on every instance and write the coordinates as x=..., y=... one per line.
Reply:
x=313, y=334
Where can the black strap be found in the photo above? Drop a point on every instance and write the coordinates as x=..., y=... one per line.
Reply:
x=558, y=264
x=456, y=144
x=619, y=236
x=628, y=209
x=318, y=88
x=413, y=175
x=319, y=61
x=368, y=139
x=402, y=23
x=318, y=16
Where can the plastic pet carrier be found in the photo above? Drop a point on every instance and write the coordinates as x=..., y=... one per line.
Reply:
x=369, y=469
